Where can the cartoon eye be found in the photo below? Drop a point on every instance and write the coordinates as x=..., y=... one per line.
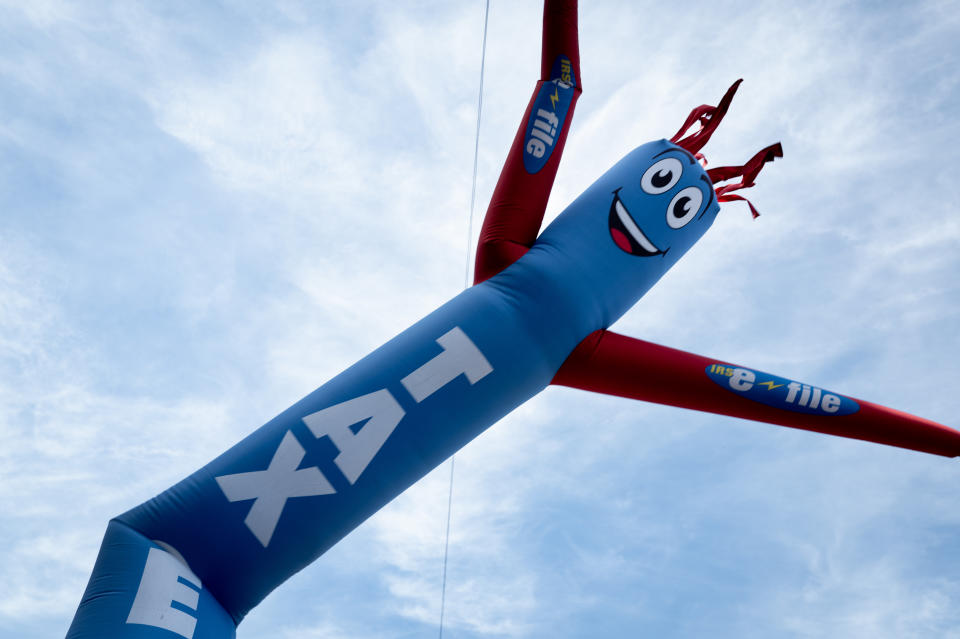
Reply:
x=661, y=177
x=684, y=206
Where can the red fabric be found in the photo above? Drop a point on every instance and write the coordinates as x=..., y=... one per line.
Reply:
x=519, y=200
x=709, y=118
x=560, y=37
x=731, y=198
x=613, y=364
x=747, y=172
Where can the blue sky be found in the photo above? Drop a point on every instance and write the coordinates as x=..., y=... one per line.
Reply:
x=209, y=209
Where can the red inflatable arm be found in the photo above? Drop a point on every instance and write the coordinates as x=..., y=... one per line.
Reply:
x=615, y=364
x=519, y=200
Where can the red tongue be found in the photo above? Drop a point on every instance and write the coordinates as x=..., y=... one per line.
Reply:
x=621, y=240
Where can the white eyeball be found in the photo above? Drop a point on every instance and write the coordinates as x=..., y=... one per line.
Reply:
x=662, y=176
x=684, y=207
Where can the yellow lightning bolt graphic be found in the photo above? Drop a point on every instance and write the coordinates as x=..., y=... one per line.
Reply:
x=554, y=98
x=770, y=385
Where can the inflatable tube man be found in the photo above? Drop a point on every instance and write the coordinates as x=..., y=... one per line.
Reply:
x=191, y=562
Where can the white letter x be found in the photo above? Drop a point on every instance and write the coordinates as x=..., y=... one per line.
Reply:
x=272, y=487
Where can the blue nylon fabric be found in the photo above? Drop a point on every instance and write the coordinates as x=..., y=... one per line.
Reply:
x=525, y=322
x=113, y=586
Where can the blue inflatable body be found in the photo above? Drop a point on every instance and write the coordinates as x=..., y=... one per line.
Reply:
x=195, y=559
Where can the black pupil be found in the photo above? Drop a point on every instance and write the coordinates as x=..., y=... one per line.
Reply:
x=680, y=208
x=661, y=178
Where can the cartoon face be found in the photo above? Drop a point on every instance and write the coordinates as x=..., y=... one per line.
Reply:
x=651, y=214
x=654, y=204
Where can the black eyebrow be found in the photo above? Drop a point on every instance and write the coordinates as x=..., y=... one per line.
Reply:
x=690, y=158
x=710, y=189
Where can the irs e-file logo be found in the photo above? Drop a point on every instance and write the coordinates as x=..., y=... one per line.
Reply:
x=779, y=392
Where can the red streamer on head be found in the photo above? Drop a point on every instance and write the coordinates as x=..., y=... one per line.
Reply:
x=708, y=117
x=731, y=198
x=747, y=173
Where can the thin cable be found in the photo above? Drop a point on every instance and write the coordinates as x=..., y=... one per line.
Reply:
x=476, y=148
x=466, y=284
x=446, y=547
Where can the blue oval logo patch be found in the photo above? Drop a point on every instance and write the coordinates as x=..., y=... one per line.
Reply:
x=546, y=122
x=779, y=392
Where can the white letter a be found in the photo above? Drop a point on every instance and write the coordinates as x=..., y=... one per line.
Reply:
x=357, y=450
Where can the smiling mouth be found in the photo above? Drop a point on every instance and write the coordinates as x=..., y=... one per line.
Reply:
x=626, y=234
